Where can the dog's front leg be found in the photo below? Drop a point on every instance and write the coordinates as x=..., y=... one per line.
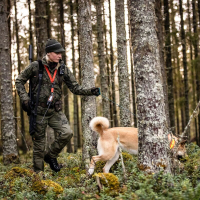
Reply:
x=93, y=162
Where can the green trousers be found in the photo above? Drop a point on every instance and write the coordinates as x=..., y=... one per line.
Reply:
x=60, y=124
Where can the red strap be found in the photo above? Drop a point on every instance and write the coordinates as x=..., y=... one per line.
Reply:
x=48, y=72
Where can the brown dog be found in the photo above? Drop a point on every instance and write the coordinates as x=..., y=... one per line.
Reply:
x=125, y=137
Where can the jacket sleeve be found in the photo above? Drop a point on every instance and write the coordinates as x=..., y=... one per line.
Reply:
x=23, y=77
x=72, y=84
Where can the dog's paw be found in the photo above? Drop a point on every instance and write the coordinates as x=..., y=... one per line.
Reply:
x=90, y=171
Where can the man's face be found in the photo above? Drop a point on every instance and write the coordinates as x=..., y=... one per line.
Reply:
x=54, y=57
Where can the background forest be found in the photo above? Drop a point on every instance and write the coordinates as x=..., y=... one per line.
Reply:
x=113, y=43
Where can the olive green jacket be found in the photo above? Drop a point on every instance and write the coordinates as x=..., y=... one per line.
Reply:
x=31, y=72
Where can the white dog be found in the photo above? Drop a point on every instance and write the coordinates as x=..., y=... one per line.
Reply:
x=126, y=137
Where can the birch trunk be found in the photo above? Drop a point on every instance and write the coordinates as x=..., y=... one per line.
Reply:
x=125, y=114
x=102, y=65
x=87, y=75
x=152, y=121
x=10, y=153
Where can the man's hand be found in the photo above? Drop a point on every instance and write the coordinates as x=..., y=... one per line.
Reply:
x=95, y=91
x=26, y=106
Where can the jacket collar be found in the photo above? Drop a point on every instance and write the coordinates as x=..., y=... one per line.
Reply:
x=44, y=62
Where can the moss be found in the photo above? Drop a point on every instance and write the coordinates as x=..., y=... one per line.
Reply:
x=38, y=186
x=18, y=172
x=51, y=184
x=109, y=180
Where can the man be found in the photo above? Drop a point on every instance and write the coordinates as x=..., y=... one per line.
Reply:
x=49, y=103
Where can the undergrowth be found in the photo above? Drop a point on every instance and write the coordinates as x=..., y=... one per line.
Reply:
x=18, y=181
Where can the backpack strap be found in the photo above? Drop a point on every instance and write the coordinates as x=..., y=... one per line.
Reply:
x=40, y=76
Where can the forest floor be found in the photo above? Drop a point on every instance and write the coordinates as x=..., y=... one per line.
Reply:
x=17, y=181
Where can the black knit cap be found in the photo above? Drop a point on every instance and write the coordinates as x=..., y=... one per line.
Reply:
x=53, y=46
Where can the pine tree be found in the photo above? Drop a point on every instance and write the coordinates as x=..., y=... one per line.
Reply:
x=114, y=120
x=22, y=131
x=87, y=75
x=123, y=76
x=101, y=56
x=41, y=27
x=152, y=121
x=186, y=89
x=10, y=152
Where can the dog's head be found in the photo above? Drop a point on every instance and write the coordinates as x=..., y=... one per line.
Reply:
x=177, y=145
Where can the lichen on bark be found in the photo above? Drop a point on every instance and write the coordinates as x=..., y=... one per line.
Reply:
x=152, y=121
x=10, y=153
x=87, y=75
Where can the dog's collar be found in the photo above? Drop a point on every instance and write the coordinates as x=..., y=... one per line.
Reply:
x=172, y=144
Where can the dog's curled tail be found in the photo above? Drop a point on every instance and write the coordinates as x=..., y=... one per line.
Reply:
x=99, y=124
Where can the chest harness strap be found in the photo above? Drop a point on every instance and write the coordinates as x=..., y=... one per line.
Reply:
x=50, y=99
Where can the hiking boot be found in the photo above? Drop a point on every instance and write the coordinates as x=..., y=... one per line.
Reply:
x=52, y=162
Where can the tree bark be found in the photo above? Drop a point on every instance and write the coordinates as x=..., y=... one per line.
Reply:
x=87, y=75
x=101, y=55
x=22, y=131
x=132, y=72
x=10, y=153
x=107, y=67
x=168, y=64
x=30, y=26
x=186, y=88
x=79, y=77
x=123, y=76
x=114, y=110
x=196, y=63
x=75, y=103
x=152, y=121
x=41, y=26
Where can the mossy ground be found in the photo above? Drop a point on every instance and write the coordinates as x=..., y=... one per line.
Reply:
x=18, y=181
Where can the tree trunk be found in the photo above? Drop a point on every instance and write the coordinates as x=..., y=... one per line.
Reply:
x=74, y=72
x=10, y=153
x=30, y=26
x=22, y=131
x=107, y=67
x=152, y=120
x=168, y=51
x=125, y=113
x=114, y=110
x=178, y=78
x=196, y=63
x=86, y=58
x=132, y=72
x=41, y=27
x=192, y=66
x=186, y=89
x=168, y=63
x=79, y=77
x=101, y=55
